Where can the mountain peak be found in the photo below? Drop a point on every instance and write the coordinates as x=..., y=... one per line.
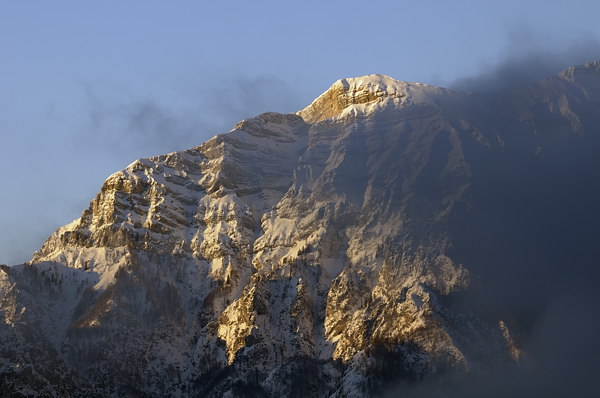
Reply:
x=588, y=69
x=372, y=83
x=356, y=92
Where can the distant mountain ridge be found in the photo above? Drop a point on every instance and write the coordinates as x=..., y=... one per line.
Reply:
x=387, y=233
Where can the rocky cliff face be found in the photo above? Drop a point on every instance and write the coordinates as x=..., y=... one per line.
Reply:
x=323, y=253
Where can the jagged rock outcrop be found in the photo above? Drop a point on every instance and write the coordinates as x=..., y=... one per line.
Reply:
x=318, y=253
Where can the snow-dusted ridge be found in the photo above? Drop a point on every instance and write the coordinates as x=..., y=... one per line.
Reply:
x=591, y=69
x=298, y=252
x=361, y=95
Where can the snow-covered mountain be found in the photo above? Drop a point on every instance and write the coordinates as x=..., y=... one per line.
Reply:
x=331, y=252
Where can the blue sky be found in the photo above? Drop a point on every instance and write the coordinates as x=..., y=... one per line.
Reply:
x=88, y=87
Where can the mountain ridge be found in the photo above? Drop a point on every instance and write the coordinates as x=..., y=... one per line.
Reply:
x=303, y=252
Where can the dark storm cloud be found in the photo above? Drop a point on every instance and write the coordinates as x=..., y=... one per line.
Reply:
x=561, y=360
x=530, y=57
x=532, y=247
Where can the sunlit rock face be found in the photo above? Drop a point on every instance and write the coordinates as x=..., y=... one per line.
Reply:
x=323, y=253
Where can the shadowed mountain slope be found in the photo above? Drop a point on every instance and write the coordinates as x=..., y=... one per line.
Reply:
x=389, y=232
